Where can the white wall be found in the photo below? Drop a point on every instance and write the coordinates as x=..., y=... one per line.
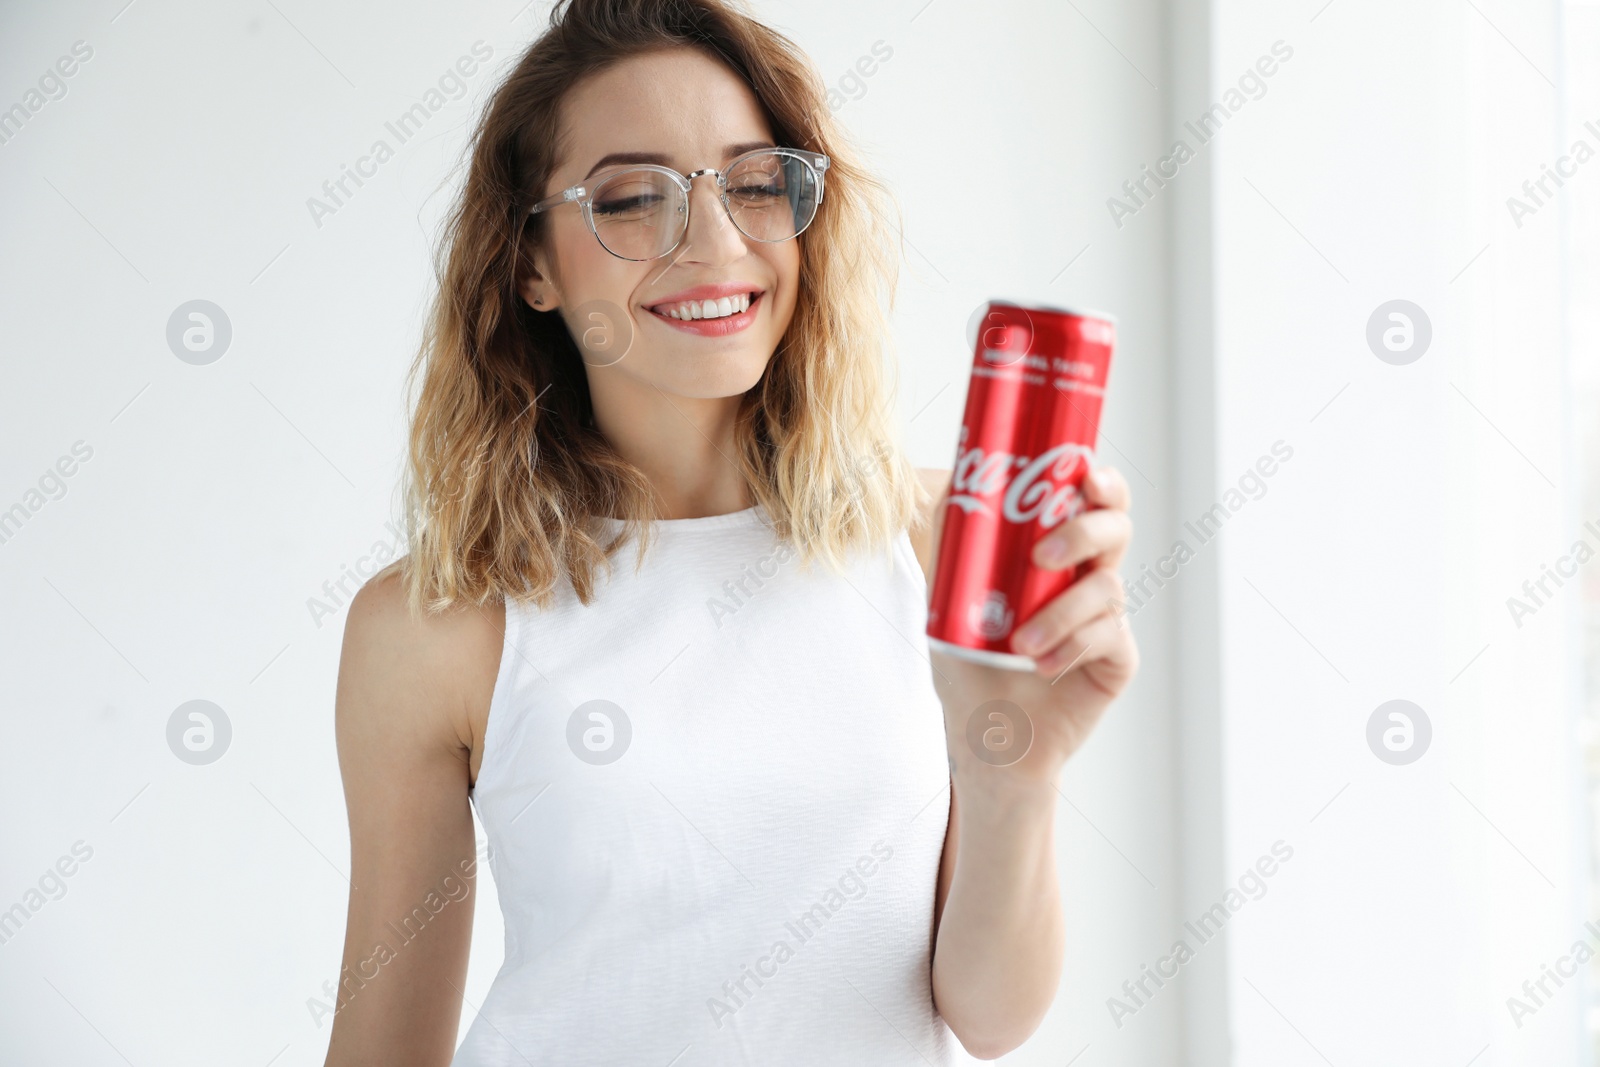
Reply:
x=219, y=498
x=1420, y=897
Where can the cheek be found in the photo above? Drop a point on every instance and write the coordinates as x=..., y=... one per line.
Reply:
x=786, y=265
x=587, y=272
x=582, y=262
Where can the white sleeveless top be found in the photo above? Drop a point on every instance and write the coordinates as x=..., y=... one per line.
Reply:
x=716, y=801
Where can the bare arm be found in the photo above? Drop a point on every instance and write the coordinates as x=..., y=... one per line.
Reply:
x=1001, y=937
x=999, y=923
x=924, y=541
x=407, y=689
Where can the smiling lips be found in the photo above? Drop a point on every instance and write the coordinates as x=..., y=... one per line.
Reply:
x=707, y=309
x=710, y=310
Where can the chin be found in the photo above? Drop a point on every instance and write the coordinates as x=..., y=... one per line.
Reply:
x=730, y=374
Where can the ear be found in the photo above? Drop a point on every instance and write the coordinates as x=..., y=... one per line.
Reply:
x=536, y=288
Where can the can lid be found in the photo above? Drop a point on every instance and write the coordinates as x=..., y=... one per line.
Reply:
x=1078, y=312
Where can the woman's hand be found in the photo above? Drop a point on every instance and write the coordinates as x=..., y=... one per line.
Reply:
x=1001, y=929
x=1030, y=722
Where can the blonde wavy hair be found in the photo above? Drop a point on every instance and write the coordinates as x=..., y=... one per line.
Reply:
x=506, y=467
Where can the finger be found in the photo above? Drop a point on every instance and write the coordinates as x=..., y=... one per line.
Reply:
x=1087, y=535
x=1101, y=642
x=1051, y=624
x=1106, y=487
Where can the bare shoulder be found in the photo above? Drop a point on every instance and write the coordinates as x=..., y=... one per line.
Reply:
x=925, y=531
x=420, y=679
x=403, y=720
x=934, y=479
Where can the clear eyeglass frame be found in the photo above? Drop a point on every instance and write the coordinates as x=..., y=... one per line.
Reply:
x=583, y=195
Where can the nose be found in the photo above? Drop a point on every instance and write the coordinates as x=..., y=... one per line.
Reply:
x=711, y=238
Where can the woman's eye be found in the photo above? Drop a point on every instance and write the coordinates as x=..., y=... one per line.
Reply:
x=627, y=204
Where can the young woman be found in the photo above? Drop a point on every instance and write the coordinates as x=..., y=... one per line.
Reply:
x=662, y=621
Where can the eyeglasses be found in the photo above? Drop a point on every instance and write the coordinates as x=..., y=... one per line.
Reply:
x=642, y=212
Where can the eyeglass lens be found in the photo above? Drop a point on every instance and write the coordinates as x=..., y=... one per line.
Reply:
x=642, y=214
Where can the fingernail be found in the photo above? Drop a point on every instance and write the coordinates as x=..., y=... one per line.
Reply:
x=1053, y=554
x=1027, y=639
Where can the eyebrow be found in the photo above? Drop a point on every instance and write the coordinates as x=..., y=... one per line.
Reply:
x=661, y=159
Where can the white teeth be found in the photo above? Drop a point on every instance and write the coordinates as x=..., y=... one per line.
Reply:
x=710, y=309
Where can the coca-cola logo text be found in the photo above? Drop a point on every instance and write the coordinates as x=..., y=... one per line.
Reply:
x=1044, y=489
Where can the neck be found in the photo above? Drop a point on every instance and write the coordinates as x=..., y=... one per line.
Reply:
x=686, y=448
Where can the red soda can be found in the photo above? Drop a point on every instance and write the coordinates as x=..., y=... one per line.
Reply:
x=1027, y=441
